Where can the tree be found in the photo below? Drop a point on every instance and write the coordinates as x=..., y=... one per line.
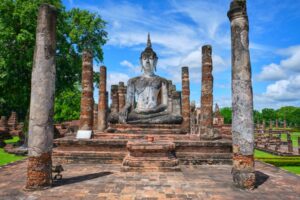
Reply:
x=17, y=40
x=67, y=105
x=87, y=32
x=226, y=112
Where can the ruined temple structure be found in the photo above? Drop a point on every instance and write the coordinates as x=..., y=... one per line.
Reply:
x=152, y=114
x=148, y=126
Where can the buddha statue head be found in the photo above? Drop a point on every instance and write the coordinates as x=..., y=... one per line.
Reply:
x=148, y=59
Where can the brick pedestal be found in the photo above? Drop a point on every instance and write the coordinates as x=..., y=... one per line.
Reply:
x=144, y=155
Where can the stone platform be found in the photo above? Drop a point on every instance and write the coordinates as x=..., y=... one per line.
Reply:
x=110, y=148
x=147, y=155
x=106, y=182
x=146, y=128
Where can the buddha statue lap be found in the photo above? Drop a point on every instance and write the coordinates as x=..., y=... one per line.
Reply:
x=147, y=95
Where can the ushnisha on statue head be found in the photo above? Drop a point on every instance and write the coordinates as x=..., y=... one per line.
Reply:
x=148, y=59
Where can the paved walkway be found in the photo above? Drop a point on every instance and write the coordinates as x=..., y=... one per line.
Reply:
x=107, y=182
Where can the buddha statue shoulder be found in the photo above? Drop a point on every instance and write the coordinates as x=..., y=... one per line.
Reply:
x=147, y=95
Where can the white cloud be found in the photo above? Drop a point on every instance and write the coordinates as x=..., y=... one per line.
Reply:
x=271, y=72
x=285, y=90
x=293, y=60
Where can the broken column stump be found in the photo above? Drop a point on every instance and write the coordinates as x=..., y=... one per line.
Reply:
x=149, y=155
x=242, y=98
x=41, y=128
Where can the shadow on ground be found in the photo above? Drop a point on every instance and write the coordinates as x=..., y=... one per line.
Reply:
x=76, y=179
x=260, y=178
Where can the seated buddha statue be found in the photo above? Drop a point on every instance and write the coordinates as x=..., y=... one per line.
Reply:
x=147, y=95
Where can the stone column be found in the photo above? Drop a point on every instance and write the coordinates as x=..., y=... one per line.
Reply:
x=121, y=95
x=264, y=124
x=95, y=117
x=270, y=124
x=170, y=100
x=284, y=124
x=206, y=120
x=242, y=98
x=87, y=101
x=41, y=130
x=102, y=104
x=114, y=99
x=185, y=99
x=276, y=123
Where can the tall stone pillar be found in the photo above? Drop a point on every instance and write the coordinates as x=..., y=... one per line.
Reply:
x=95, y=117
x=41, y=128
x=121, y=95
x=276, y=123
x=114, y=99
x=185, y=99
x=102, y=104
x=270, y=124
x=284, y=123
x=264, y=124
x=206, y=121
x=87, y=101
x=242, y=98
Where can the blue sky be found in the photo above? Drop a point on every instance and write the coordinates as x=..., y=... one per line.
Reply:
x=180, y=28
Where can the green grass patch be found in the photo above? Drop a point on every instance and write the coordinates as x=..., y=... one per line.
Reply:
x=15, y=139
x=294, y=137
x=289, y=163
x=6, y=158
x=293, y=169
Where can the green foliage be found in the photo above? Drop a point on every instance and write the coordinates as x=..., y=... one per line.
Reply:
x=226, y=112
x=67, y=105
x=289, y=163
x=87, y=32
x=75, y=30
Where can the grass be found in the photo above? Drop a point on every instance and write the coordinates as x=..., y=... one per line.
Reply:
x=289, y=163
x=294, y=136
x=6, y=158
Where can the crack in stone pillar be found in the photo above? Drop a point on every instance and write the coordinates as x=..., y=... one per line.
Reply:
x=87, y=101
x=102, y=104
x=242, y=98
x=41, y=128
x=185, y=99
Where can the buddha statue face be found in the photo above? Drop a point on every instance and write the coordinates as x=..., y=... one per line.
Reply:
x=148, y=59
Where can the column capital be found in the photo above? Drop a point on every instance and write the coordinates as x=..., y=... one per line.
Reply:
x=238, y=8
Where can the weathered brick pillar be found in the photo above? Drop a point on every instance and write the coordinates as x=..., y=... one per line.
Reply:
x=41, y=130
x=121, y=95
x=114, y=99
x=270, y=124
x=102, y=104
x=170, y=100
x=185, y=99
x=87, y=101
x=276, y=123
x=284, y=123
x=264, y=124
x=13, y=121
x=95, y=117
x=242, y=98
x=289, y=142
x=206, y=122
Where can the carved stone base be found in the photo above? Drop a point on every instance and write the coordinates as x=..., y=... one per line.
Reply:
x=39, y=172
x=150, y=156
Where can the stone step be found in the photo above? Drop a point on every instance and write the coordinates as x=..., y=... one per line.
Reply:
x=128, y=136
